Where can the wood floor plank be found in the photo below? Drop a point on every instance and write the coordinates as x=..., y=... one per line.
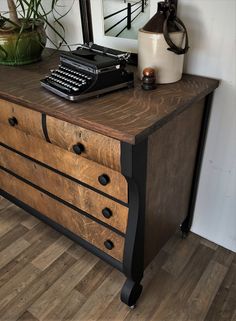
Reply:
x=224, y=256
x=30, y=222
x=4, y=204
x=39, y=231
x=180, y=284
x=67, y=308
x=224, y=303
x=16, y=265
x=234, y=316
x=203, y=295
x=14, y=249
x=17, y=284
x=10, y=218
x=76, y=251
x=161, y=285
x=50, y=254
x=210, y=244
x=24, y=258
x=183, y=286
x=94, y=278
x=118, y=311
x=183, y=253
x=27, y=317
x=154, y=266
x=25, y=299
x=11, y=236
x=103, y=295
x=173, y=243
x=62, y=287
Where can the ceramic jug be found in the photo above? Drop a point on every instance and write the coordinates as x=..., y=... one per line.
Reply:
x=162, y=43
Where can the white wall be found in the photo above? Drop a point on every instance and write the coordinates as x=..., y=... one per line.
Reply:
x=212, y=29
x=71, y=23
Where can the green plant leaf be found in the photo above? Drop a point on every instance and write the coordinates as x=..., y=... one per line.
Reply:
x=31, y=12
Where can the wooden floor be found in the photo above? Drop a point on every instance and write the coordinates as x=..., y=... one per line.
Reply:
x=45, y=276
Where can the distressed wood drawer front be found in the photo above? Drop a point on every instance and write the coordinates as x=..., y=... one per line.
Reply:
x=91, y=145
x=73, y=165
x=77, y=223
x=22, y=118
x=84, y=198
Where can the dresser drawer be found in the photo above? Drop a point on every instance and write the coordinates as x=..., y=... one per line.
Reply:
x=25, y=119
x=77, y=223
x=89, y=201
x=86, y=143
x=82, y=169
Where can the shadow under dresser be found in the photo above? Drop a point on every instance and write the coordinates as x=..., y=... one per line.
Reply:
x=118, y=174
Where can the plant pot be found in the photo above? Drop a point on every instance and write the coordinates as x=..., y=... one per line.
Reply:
x=24, y=48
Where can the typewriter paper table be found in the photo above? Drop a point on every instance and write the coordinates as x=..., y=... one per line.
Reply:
x=118, y=174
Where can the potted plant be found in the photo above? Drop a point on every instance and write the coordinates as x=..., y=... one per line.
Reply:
x=22, y=30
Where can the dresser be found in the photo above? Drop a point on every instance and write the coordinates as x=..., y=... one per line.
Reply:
x=118, y=174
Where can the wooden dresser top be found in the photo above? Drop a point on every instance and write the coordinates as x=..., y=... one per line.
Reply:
x=128, y=115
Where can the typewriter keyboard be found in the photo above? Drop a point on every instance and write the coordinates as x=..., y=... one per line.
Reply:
x=69, y=80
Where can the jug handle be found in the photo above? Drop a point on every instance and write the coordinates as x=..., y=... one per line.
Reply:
x=179, y=23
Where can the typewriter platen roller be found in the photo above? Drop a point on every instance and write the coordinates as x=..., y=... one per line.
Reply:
x=89, y=71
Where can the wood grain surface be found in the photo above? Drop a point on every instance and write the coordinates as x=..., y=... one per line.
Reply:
x=171, y=159
x=99, y=148
x=27, y=120
x=38, y=284
x=66, y=189
x=77, y=223
x=69, y=163
x=127, y=115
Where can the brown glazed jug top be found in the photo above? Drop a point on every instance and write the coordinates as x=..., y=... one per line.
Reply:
x=155, y=24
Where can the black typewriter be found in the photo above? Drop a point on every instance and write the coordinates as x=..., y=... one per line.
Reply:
x=90, y=70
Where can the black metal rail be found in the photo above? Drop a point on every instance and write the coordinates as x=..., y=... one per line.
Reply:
x=128, y=17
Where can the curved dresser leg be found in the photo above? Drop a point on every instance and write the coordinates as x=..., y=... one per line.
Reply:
x=134, y=165
x=130, y=292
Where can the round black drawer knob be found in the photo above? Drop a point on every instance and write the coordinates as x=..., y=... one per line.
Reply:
x=104, y=179
x=78, y=148
x=12, y=121
x=109, y=244
x=107, y=213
